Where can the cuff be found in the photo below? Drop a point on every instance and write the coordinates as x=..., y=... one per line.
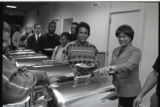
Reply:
x=113, y=68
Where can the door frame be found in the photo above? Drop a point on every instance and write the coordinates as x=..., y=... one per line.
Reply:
x=63, y=21
x=123, y=10
x=58, y=19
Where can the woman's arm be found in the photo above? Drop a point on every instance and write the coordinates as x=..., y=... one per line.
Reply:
x=130, y=64
x=54, y=53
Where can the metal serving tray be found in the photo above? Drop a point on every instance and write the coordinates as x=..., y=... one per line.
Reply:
x=29, y=60
x=96, y=94
x=54, y=70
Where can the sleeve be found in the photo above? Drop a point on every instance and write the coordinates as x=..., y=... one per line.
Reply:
x=131, y=63
x=155, y=66
x=40, y=43
x=65, y=55
x=28, y=43
x=97, y=63
x=54, y=53
x=14, y=39
x=67, y=49
x=16, y=85
x=57, y=40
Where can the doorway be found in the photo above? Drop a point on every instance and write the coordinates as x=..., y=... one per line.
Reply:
x=67, y=24
x=58, y=26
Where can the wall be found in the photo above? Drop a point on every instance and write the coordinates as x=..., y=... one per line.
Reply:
x=43, y=16
x=80, y=11
x=95, y=14
x=14, y=12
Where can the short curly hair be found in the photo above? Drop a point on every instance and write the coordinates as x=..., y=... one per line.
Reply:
x=51, y=23
x=85, y=25
x=75, y=23
x=18, y=27
x=126, y=29
x=66, y=34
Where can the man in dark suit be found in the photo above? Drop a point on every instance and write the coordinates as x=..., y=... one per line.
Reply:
x=32, y=41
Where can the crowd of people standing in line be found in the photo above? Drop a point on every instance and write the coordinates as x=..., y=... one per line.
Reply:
x=33, y=39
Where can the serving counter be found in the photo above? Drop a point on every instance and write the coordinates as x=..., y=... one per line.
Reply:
x=15, y=53
x=58, y=70
x=29, y=60
x=26, y=57
x=100, y=91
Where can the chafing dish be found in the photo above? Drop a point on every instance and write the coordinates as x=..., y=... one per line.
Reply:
x=21, y=52
x=99, y=93
x=54, y=70
x=28, y=60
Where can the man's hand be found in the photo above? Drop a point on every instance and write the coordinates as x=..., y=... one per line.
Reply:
x=137, y=101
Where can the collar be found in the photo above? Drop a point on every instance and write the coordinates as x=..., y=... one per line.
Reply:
x=4, y=56
x=51, y=34
x=37, y=35
x=130, y=44
x=81, y=43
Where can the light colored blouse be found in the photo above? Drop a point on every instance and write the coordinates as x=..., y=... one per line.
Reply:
x=58, y=53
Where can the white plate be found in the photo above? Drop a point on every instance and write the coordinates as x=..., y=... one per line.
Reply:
x=48, y=49
x=82, y=65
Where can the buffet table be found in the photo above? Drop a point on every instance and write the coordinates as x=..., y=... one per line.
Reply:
x=100, y=91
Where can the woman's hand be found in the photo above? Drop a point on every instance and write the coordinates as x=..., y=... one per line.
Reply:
x=137, y=101
x=102, y=71
x=111, y=70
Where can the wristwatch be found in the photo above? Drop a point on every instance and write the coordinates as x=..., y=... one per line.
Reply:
x=110, y=68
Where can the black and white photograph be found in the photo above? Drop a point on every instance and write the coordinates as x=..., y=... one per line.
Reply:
x=80, y=53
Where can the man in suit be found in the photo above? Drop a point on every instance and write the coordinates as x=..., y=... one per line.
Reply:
x=32, y=41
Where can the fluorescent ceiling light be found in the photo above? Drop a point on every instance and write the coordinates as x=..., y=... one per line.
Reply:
x=9, y=6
